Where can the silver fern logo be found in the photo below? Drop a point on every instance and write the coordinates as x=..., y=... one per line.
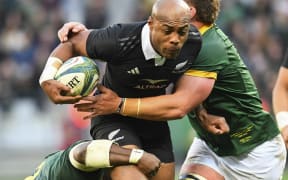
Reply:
x=112, y=134
x=181, y=65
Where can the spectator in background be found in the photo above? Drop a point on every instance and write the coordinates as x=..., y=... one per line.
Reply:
x=254, y=27
x=7, y=80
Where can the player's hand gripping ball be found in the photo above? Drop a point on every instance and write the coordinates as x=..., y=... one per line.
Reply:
x=79, y=73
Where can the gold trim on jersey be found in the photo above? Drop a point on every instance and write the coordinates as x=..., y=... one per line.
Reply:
x=37, y=172
x=204, y=28
x=198, y=73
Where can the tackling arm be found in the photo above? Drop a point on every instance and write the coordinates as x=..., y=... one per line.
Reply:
x=189, y=93
x=280, y=102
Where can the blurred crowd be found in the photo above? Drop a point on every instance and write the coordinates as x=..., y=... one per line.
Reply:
x=28, y=33
x=258, y=28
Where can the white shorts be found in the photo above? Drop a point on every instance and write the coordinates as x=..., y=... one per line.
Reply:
x=266, y=161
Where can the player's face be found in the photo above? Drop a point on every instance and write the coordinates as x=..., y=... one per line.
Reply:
x=168, y=37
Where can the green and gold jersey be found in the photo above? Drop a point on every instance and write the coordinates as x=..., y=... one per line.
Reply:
x=57, y=166
x=234, y=96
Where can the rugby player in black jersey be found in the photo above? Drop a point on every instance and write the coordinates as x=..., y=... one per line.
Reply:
x=218, y=78
x=143, y=58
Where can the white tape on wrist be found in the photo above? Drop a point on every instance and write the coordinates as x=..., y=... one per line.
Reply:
x=50, y=69
x=282, y=119
x=135, y=156
x=97, y=154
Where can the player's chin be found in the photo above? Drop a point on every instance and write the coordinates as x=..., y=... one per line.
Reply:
x=171, y=54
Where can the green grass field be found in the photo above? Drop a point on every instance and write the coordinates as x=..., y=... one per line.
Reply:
x=285, y=177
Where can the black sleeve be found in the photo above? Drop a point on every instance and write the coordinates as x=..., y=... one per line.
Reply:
x=194, y=43
x=103, y=43
x=285, y=60
x=196, y=38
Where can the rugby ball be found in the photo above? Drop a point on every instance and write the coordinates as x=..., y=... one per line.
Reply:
x=79, y=73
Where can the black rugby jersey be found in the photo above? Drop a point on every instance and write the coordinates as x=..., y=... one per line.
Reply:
x=128, y=73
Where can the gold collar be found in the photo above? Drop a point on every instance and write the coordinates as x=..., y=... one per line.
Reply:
x=204, y=28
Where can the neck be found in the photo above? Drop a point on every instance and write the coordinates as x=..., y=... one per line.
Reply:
x=197, y=24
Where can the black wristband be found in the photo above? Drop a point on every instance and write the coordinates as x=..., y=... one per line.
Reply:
x=120, y=106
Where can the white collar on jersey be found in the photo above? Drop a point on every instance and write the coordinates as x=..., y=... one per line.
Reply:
x=147, y=48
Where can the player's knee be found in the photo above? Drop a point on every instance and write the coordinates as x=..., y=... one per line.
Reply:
x=191, y=176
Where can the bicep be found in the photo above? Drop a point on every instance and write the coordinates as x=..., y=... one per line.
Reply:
x=280, y=91
x=79, y=42
x=193, y=90
x=282, y=79
x=103, y=43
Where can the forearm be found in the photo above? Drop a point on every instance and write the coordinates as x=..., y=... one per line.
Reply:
x=189, y=93
x=160, y=108
x=74, y=47
x=280, y=98
x=124, y=156
x=63, y=51
x=280, y=106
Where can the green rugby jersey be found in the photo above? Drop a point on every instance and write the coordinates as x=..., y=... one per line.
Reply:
x=57, y=166
x=234, y=96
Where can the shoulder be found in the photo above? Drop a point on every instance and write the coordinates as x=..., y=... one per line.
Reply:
x=121, y=29
x=114, y=40
x=194, y=35
x=216, y=43
x=194, y=40
x=193, y=44
x=131, y=27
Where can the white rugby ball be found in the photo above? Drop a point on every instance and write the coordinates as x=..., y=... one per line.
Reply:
x=79, y=73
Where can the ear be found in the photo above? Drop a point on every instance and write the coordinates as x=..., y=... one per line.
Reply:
x=193, y=11
x=150, y=20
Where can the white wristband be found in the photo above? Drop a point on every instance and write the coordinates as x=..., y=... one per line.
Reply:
x=50, y=69
x=282, y=119
x=135, y=156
